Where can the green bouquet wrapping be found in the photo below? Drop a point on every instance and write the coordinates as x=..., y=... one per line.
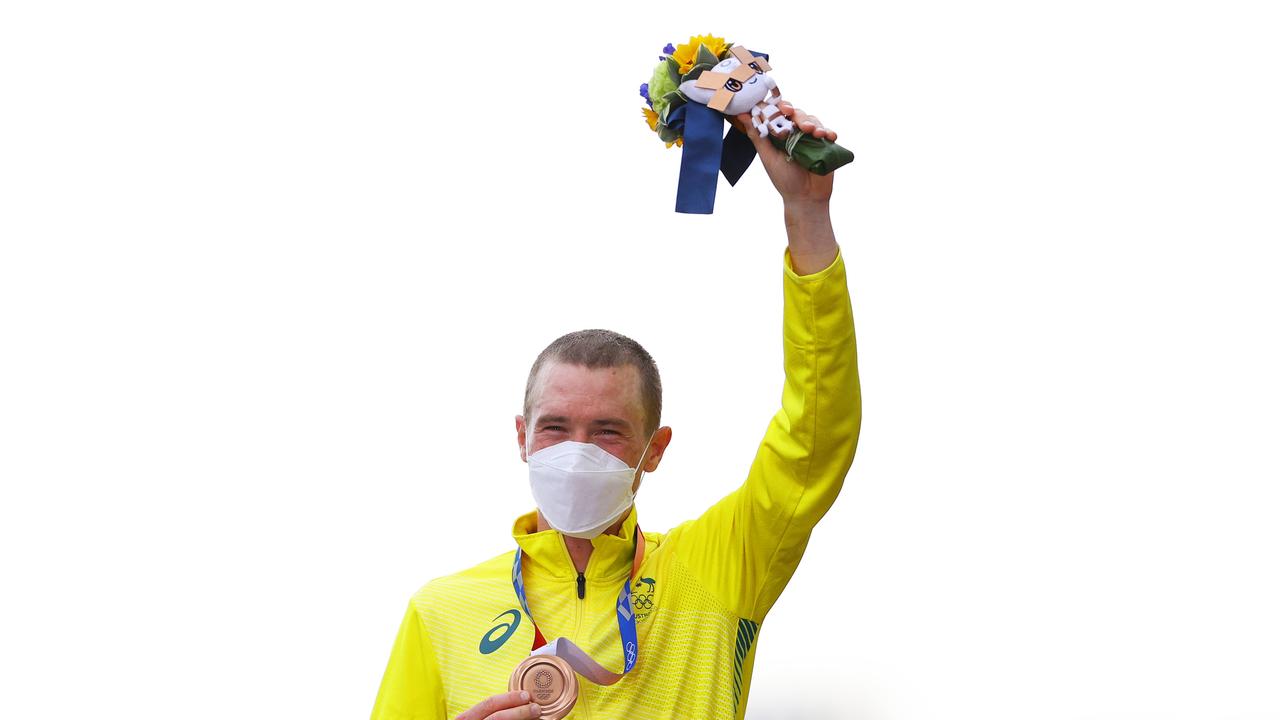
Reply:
x=817, y=155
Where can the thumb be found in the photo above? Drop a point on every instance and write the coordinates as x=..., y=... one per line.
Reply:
x=743, y=123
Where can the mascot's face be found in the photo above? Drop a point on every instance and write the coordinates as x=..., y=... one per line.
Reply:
x=751, y=92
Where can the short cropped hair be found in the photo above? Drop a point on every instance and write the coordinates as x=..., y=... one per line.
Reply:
x=603, y=349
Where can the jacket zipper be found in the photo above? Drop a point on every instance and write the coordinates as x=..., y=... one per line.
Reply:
x=583, y=709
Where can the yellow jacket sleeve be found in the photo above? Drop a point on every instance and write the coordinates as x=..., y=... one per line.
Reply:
x=746, y=547
x=411, y=688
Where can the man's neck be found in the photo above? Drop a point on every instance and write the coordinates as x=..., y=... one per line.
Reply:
x=580, y=548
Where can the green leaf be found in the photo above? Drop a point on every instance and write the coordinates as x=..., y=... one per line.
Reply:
x=673, y=69
x=706, y=56
x=695, y=71
x=667, y=134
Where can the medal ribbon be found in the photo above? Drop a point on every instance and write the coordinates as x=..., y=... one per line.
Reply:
x=564, y=648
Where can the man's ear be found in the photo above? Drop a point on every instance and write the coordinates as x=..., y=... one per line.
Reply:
x=661, y=439
x=520, y=428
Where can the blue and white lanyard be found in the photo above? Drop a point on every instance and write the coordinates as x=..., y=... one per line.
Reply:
x=626, y=618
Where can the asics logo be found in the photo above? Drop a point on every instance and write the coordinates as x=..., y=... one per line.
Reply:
x=505, y=630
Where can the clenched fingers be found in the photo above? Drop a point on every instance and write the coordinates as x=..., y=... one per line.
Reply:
x=508, y=706
x=524, y=712
x=806, y=122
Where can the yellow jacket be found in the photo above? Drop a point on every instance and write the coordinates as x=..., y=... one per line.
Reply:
x=704, y=587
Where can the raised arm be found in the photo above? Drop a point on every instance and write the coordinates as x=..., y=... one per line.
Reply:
x=806, y=197
x=748, y=545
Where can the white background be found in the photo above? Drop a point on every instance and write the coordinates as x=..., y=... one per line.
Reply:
x=272, y=275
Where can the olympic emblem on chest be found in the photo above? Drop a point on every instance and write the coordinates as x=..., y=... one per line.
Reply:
x=642, y=597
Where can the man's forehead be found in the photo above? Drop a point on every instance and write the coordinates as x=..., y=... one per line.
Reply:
x=571, y=390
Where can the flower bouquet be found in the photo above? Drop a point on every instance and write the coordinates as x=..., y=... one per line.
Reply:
x=694, y=86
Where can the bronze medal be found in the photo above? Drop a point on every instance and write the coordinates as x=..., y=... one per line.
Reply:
x=550, y=682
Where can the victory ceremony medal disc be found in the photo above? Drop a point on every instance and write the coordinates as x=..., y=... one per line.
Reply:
x=550, y=682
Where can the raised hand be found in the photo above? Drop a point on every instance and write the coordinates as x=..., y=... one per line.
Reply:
x=795, y=184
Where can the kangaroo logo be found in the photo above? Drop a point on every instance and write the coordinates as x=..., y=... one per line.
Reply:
x=489, y=643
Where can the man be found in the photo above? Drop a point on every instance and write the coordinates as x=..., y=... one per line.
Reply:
x=682, y=628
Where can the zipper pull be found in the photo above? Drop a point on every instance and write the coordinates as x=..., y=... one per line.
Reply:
x=582, y=586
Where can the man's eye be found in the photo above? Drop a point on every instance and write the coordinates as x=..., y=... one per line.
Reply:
x=611, y=432
x=553, y=427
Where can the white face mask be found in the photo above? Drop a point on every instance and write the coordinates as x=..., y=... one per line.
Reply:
x=580, y=488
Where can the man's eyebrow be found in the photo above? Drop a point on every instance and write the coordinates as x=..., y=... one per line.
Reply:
x=601, y=422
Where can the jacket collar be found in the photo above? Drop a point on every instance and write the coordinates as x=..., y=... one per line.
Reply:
x=610, y=559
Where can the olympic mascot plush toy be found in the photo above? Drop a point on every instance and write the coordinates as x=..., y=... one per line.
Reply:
x=693, y=88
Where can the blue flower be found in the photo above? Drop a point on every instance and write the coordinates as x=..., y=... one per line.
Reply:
x=668, y=49
x=644, y=93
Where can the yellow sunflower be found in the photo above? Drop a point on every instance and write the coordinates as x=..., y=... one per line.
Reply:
x=652, y=118
x=687, y=54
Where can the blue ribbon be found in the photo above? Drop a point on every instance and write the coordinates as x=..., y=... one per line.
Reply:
x=707, y=152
